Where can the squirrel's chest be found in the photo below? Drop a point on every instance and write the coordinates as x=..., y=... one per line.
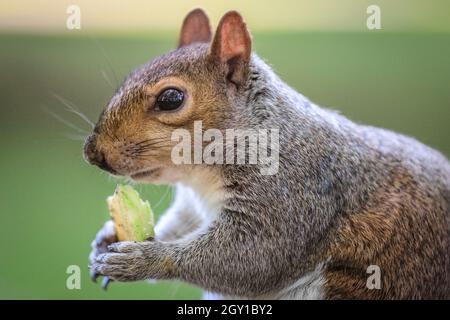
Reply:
x=205, y=198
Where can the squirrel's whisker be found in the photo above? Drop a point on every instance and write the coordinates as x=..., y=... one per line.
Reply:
x=149, y=140
x=108, y=61
x=149, y=147
x=106, y=78
x=71, y=108
x=76, y=137
x=163, y=198
x=64, y=121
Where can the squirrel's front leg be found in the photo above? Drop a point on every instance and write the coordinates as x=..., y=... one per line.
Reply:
x=232, y=258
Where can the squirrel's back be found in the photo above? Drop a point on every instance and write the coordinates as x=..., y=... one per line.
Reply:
x=403, y=228
x=420, y=159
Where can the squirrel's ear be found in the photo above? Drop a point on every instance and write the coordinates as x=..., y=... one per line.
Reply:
x=195, y=28
x=232, y=46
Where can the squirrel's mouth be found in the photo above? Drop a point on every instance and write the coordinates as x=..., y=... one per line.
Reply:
x=144, y=174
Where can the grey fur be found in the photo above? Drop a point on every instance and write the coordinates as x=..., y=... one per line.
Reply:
x=272, y=230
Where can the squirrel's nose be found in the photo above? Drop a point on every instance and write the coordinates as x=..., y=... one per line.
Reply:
x=94, y=156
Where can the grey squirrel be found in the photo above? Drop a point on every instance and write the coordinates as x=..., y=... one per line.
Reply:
x=346, y=196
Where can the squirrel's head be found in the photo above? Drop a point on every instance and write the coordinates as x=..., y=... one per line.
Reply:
x=200, y=80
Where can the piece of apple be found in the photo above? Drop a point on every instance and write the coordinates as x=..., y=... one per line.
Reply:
x=133, y=217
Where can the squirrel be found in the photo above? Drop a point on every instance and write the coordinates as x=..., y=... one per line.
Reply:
x=346, y=196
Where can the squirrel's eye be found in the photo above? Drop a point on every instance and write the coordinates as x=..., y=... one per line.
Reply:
x=169, y=99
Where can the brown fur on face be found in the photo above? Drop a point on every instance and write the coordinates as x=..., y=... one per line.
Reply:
x=130, y=122
x=132, y=137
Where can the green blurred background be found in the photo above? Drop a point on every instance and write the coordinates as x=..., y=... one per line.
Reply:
x=52, y=203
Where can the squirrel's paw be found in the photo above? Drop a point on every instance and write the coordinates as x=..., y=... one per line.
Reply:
x=103, y=239
x=131, y=261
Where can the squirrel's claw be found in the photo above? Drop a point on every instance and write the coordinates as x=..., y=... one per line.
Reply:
x=105, y=283
x=104, y=237
x=93, y=275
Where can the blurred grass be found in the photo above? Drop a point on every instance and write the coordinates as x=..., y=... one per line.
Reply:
x=52, y=203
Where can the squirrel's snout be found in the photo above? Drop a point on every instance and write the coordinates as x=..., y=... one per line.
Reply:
x=94, y=156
